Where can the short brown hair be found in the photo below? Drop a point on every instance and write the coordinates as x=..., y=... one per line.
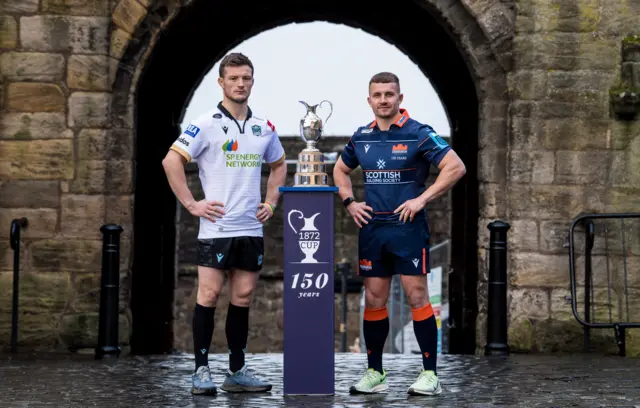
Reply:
x=235, y=59
x=385, y=78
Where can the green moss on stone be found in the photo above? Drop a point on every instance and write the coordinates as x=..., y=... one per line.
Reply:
x=616, y=91
x=22, y=135
x=631, y=40
x=520, y=335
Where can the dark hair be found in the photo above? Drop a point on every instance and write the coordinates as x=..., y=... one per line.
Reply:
x=385, y=78
x=235, y=59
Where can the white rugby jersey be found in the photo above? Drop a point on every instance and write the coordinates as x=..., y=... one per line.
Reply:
x=229, y=154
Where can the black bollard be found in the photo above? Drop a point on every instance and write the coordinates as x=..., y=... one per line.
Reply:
x=345, y=272
x=497, y=308
x=15, y=245
x=109, y=292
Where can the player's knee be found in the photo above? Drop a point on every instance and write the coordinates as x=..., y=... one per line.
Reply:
x=417, y=298
x=375, y=298
x=242, y=296
x=207, y=295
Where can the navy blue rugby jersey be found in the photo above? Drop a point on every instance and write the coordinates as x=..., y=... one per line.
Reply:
x=395, y=163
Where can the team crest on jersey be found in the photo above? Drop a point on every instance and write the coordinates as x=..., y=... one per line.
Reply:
x=399, y=152
x=257, y=130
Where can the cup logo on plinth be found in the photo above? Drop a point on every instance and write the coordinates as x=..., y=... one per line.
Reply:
x=308, y=236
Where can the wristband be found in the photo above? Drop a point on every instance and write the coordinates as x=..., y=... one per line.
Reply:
x=348, y=201
x=271, y=207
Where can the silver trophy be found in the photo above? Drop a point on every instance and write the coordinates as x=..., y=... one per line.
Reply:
x=311, y=168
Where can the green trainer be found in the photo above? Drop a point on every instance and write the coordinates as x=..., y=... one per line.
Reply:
x=426, y=384
x=372, y=382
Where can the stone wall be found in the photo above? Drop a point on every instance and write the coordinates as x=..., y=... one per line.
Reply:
x=569, y=152
x=555, y=140
x=264, y=335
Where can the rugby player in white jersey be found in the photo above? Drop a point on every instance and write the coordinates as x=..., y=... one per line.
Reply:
x=229, y=144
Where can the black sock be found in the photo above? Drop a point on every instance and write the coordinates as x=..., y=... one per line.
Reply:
x=426, y=330
x=202, y=333
x=375, y=329
x=237, y=330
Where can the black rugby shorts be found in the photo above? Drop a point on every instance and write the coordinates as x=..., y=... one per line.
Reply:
x=245, y=253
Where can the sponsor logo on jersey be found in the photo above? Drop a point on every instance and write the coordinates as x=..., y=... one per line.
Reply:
x=239, y=159
x=383, y=176
x=192, y=130
x=217, y=116
x=440, y=142
x=183, y=141
x=256, y=130
x=230, y=146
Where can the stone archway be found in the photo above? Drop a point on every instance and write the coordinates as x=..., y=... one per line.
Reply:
x=463, y=46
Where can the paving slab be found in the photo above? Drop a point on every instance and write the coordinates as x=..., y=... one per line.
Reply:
x=72, y=380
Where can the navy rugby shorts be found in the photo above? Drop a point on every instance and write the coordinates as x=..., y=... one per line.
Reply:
x=389, y=248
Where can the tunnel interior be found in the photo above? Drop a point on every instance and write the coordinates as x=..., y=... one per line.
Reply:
x=199, y=36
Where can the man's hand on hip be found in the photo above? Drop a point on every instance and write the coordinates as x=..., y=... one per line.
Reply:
x=265, y=211
x=358, y=212
x=207, y=209
x=410, y=208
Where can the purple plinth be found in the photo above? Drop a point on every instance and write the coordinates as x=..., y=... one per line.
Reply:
x=308, y=214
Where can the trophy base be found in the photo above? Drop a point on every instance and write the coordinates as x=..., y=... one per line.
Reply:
x=310, y=180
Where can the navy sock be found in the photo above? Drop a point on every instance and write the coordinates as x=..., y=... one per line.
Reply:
x=426, y=330
x=375, y=328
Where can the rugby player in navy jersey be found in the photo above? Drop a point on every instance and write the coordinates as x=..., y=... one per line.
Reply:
x=395, y=153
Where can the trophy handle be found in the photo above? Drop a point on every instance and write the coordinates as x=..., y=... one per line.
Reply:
x=330, y=113
x=289, y=218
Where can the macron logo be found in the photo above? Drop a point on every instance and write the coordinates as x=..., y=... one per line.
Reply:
x=415, y=262
x=366, y=148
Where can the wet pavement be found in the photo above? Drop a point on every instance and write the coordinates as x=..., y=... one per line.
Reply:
x=468, y=381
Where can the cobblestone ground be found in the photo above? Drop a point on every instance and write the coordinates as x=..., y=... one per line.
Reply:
x=468, y=381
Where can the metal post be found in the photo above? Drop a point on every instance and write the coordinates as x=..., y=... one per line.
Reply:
x=16, y=224
x=497, y=308
x=588, y=289
x=344, y=268
x=109, y=292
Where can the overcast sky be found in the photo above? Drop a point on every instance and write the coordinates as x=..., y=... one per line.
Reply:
x=316, y=61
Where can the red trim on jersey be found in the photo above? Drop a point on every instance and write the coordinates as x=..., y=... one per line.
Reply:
x=273, y=128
